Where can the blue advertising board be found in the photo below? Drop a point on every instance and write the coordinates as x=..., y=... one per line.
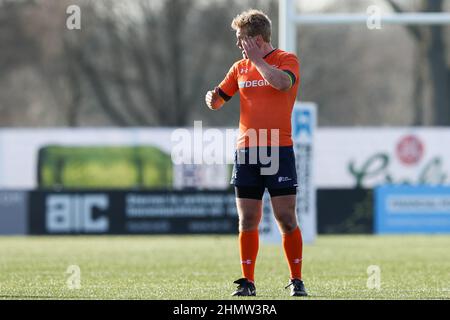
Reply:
x=412, y=209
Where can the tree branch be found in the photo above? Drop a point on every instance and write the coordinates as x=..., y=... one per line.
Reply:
x=100, y=91
x=117, y=46
x=413, y=30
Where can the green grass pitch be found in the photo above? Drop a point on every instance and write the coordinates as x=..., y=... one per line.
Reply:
x=204, y=267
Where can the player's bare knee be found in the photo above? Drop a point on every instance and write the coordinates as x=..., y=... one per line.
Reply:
x=248, y=223
x=287, y=222
x=288, y=227
x=247, y=227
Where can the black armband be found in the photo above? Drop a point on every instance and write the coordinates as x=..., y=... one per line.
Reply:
x=291, y=76
x=223, y=95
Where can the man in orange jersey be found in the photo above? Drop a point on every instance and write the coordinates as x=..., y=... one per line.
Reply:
x=267, y=80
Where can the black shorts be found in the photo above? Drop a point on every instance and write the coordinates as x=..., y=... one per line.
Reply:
x=265, y=167
x=257, y=193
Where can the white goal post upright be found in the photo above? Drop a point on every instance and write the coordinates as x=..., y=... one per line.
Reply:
x=287, y=28
x=289, y=20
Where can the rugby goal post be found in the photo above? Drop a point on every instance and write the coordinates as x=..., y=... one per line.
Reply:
x=289, y=19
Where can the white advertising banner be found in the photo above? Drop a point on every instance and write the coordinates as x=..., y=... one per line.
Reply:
x=369, y=157
x=19, y=148
x=343, y=157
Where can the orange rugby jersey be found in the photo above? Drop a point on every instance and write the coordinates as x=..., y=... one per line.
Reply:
x=261, y=105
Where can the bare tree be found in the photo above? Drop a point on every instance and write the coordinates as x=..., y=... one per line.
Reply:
x=431, y=49
x=149, y=69
x=147, y=64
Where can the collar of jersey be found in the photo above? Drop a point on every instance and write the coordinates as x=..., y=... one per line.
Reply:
x=270, y=53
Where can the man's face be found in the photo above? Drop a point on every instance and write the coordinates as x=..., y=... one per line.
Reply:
x=240, y=34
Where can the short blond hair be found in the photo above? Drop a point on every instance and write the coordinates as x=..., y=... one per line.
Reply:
x=253, y=22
